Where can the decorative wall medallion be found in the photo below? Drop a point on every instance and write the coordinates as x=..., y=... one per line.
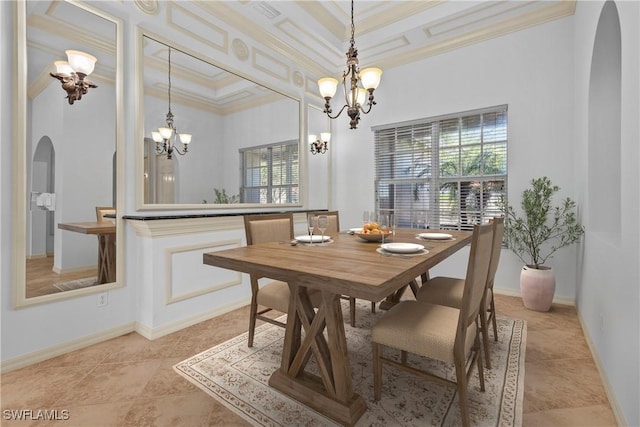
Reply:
x=298, y=79
x=147, y=6
x=240, y=49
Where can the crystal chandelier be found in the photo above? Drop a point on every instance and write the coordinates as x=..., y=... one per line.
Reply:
x=166, y=137
x=359, y=83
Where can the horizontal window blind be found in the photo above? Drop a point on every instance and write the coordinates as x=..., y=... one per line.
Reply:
x=270, y=173
x=449, y=172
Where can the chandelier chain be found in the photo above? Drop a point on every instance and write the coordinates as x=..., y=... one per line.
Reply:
x=353, y=27
x=169, y=79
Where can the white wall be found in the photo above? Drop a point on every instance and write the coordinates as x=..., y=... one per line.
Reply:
x=608, y=295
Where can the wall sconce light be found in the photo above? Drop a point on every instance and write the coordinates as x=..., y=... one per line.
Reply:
x=73, y=72
x=319, y=146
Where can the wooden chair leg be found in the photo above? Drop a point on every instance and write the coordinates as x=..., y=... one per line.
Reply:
x=480, y=369
x=485, y=336
x=352, y=312
x=493, y=319
x=252, y=320
x=377, y=371
x=403, y=357
x=373, y=307
x=461, y=381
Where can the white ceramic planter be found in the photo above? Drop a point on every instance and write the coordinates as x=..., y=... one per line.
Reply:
x=537, y=287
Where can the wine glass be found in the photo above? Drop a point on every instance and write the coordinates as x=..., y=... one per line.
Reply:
x=420, y=219
x=313, y=221
x=366, y=218
x=393, y=224
x=383, y=222
x=323, y=223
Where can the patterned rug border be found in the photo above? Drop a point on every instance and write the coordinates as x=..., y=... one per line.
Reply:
x=511, y=399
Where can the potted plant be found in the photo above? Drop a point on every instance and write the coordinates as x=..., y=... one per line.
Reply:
x=536, y=235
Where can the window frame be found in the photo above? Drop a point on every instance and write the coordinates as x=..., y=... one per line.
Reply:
x=486, y=192
x=291, y=189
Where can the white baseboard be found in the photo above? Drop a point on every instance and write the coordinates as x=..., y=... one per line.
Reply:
x=60, y=349
x=155, y=333
x=613, y=401
x=516, y=293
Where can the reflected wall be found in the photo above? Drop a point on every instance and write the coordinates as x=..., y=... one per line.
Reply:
x=224, y=112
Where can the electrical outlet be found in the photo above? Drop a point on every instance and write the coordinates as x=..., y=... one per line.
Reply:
x=103, y=299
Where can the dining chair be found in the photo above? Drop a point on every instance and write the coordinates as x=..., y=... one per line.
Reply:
x=274, y=295
x=334, y=228
x=448, y=290
x=439, y=332
x=101, y=211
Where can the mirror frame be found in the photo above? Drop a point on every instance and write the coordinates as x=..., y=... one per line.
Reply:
x=140, y=134
x=19, y=196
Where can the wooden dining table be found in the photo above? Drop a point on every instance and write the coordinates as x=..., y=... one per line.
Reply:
x=106, y=232
x=345, y=266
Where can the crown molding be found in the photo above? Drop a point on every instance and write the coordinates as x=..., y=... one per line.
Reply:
x=543, y=15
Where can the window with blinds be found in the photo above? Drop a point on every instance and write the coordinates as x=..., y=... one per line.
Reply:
x=270, y=173
x=446, y=172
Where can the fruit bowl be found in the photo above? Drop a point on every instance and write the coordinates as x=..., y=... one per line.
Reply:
x=372, y=237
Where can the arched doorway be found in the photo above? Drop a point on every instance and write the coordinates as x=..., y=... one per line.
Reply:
x=605, y=127
x=42, y=181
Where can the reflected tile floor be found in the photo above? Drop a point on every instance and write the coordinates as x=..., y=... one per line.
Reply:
x=129, y=380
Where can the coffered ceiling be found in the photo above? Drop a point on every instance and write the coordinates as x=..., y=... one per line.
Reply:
x=388, y=33
x=295, y=41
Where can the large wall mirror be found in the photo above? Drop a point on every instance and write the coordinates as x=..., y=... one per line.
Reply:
x=244, y=147
x=65, y=219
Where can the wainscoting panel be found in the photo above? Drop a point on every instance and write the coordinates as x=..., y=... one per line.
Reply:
x=186, y=275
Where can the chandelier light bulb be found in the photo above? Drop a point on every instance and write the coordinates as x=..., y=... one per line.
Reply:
x=157, y=138
x=328, y=87
x=82, y=63
x=63, y=67
x=312, y=139
x=370, y=78
x=185, y=138
x=165, y=132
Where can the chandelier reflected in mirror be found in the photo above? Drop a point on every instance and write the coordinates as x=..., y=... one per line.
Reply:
x=356, y=85
x=167, y=137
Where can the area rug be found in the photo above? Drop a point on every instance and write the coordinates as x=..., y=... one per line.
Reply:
x=238, y=376
x=76, y=284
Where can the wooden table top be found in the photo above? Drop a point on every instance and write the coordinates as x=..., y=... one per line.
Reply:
x=346, y=266
x=91, y=227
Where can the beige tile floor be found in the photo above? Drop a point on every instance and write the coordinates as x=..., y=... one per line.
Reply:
x=129, y=381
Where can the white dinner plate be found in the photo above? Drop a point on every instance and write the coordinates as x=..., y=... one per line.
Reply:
x=435, y=236
x=355, y=230
x=316, y=238
x=402, y=248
